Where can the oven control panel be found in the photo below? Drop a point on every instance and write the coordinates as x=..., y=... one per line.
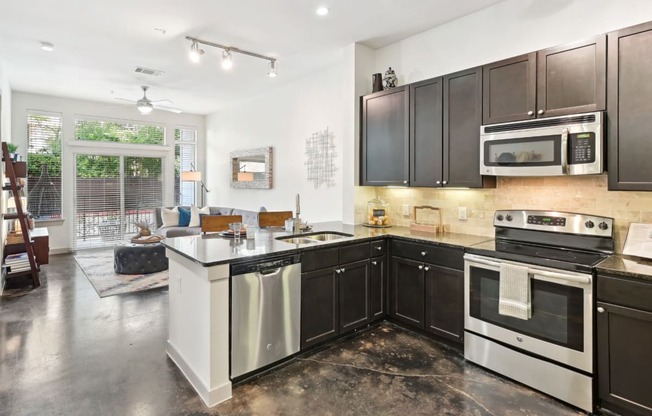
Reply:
x=553, y=221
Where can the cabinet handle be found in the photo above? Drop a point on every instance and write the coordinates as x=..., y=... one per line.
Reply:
x=600, y=309
x=338, y=271
x=374, y=263
x=379, y=248
x=444, y=182
x=540, y=112
x=529, y=113
x=343, y=269
x=426, y=268
x=423, y=253
x=405, y=182
x=421, y=267
x=438, y=182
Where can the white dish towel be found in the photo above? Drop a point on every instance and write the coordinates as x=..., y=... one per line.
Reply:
x=514, y=298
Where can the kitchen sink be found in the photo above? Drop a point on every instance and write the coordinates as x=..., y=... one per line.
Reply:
x=313, y=237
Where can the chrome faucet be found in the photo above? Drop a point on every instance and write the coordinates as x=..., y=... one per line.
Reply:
x=297, y=220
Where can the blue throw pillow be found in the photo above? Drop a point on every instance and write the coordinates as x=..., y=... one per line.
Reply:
x=184, y=217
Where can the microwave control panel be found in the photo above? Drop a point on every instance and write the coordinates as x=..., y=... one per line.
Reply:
x=581, y=148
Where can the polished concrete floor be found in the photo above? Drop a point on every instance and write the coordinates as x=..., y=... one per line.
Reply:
x=65, y=351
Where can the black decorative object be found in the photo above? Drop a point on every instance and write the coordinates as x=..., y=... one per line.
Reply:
x=390, y=79
x=377, y=82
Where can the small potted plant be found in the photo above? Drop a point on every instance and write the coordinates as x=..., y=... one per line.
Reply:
x=12, y=147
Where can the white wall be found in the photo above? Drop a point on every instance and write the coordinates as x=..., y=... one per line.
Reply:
x=508, y=29
x=5, y=135
x=60, y=232
x=283, y=119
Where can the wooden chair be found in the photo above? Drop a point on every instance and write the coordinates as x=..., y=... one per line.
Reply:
x=218, y=222
x=273, y=218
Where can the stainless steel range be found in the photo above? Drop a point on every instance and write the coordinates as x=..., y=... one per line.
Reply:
x=529, y=300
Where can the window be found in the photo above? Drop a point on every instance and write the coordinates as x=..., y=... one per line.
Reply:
x=44, y=165
x=185, y=159
x=119, y=132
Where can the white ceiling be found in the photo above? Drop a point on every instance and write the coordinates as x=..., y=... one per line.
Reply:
x=99, y=43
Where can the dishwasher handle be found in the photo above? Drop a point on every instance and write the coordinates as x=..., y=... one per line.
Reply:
x=263, y=266
x=269, y=272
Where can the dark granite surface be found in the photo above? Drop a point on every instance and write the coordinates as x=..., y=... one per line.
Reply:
x=627, y=266
x=212, y=249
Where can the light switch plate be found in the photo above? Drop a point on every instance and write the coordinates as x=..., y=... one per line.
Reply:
x=406, y=210
x=461, y=213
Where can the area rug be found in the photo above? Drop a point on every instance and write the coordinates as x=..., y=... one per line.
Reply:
x=97, y=265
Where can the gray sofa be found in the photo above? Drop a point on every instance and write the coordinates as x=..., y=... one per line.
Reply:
x=248, y=217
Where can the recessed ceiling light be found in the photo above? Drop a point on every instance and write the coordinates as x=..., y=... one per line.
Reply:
x=322, y=11
x=47, y=46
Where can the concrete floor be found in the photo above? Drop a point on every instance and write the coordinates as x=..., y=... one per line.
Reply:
x=65, y=351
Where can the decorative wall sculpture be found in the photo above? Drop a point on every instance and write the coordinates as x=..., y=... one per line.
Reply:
x=320, y=159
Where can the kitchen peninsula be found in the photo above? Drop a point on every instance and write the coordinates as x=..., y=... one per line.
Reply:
x=199, y=288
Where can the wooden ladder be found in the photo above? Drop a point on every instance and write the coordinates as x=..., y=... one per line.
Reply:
x=19, y=215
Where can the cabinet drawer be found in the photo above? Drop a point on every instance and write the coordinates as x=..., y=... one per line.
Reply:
x=624, y=292
x=443, y=256
x=354, y=252
x=378, y=248
x=318, y=259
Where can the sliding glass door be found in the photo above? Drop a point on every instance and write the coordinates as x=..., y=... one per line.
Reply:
x=111, y=194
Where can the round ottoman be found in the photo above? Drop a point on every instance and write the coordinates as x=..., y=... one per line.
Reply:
x=139, y=258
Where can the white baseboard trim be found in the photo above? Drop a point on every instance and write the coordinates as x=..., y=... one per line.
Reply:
x=209, y=397
x=60, y=251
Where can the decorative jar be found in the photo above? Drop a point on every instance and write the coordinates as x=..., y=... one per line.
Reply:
x=378, y=213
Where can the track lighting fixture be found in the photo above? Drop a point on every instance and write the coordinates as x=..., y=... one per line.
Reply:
x=227, y=62
x=227, y=52
x=195, y=52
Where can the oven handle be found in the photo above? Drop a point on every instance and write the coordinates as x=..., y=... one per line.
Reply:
x=554, y=275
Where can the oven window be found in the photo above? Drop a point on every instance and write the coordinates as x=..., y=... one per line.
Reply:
x=557, y=310
x=528, y=151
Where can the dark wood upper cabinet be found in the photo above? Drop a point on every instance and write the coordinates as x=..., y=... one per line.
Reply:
x=572, y=78
x=461, y=136
x=426, y=150
x=385, y=131
x=509, y=89
x=629, y=108
x=562, y=80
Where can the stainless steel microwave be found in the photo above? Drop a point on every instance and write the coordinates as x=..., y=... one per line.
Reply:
x=554, y=146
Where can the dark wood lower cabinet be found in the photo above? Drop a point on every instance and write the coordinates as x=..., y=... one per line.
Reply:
x=319, y=306
x=445, y=302
x=624, y=364
x=377, y=287
x=354, y=295
x=407, y=291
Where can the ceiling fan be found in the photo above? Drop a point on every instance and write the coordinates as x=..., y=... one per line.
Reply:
x=145, y=105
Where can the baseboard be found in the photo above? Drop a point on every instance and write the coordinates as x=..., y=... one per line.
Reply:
x=60, y=250
x=209, y=397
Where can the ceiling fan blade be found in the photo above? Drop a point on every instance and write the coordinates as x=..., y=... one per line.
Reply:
x=168, y=109
x=162, y=101
x=125, y=99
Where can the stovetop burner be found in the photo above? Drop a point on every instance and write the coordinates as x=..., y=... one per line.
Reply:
x=530, y=252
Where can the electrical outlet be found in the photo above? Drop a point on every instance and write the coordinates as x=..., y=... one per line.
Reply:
x=461, y=213
x=406, y=210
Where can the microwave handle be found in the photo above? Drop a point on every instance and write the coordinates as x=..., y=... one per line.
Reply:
x=564, y=151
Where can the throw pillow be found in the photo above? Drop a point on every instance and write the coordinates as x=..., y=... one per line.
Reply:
x=184, y=217
x=170, y=217
x=195, y=213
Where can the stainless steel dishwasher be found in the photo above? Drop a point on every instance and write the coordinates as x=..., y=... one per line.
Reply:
x=265, y=312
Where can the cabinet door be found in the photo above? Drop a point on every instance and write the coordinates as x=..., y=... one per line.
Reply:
x=624, y=364
x=407, y=291
x=426, y=133
x=630, y=106
x=377, y=287
x=445, y=302
x=354, y=295
x=319, y=306
x=509, y=89
x=385, y=133
x=572, y=78
x=462, y=120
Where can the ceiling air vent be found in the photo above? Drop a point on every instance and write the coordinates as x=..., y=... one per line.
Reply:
x=148, y=71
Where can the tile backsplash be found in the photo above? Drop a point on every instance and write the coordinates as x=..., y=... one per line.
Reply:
x=583, y=194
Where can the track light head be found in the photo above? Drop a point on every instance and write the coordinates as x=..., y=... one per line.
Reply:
x=227, y=62
x=195, y=52
x=272, y=73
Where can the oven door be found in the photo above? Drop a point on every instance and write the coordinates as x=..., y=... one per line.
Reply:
x=561, y=325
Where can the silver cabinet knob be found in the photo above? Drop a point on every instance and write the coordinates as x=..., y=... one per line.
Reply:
x=405, y=182
x=338, y=271
x=421, y=267
x=379, y=248
x=600, y=309
x=529, y=113
x=426, y=268
x=438, y=182
x=423, y=253
x=374, y=263
x=444, y=182
x=540, y=112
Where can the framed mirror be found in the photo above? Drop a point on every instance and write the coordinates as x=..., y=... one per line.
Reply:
x=252, y=168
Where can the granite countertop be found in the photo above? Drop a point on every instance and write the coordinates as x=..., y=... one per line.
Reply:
x=627, y=266
x=212, y=249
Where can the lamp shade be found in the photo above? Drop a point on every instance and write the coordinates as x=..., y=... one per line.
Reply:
x=191, y=176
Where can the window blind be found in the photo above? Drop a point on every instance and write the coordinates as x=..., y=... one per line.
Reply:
x=44, y=165
x=185, y=159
